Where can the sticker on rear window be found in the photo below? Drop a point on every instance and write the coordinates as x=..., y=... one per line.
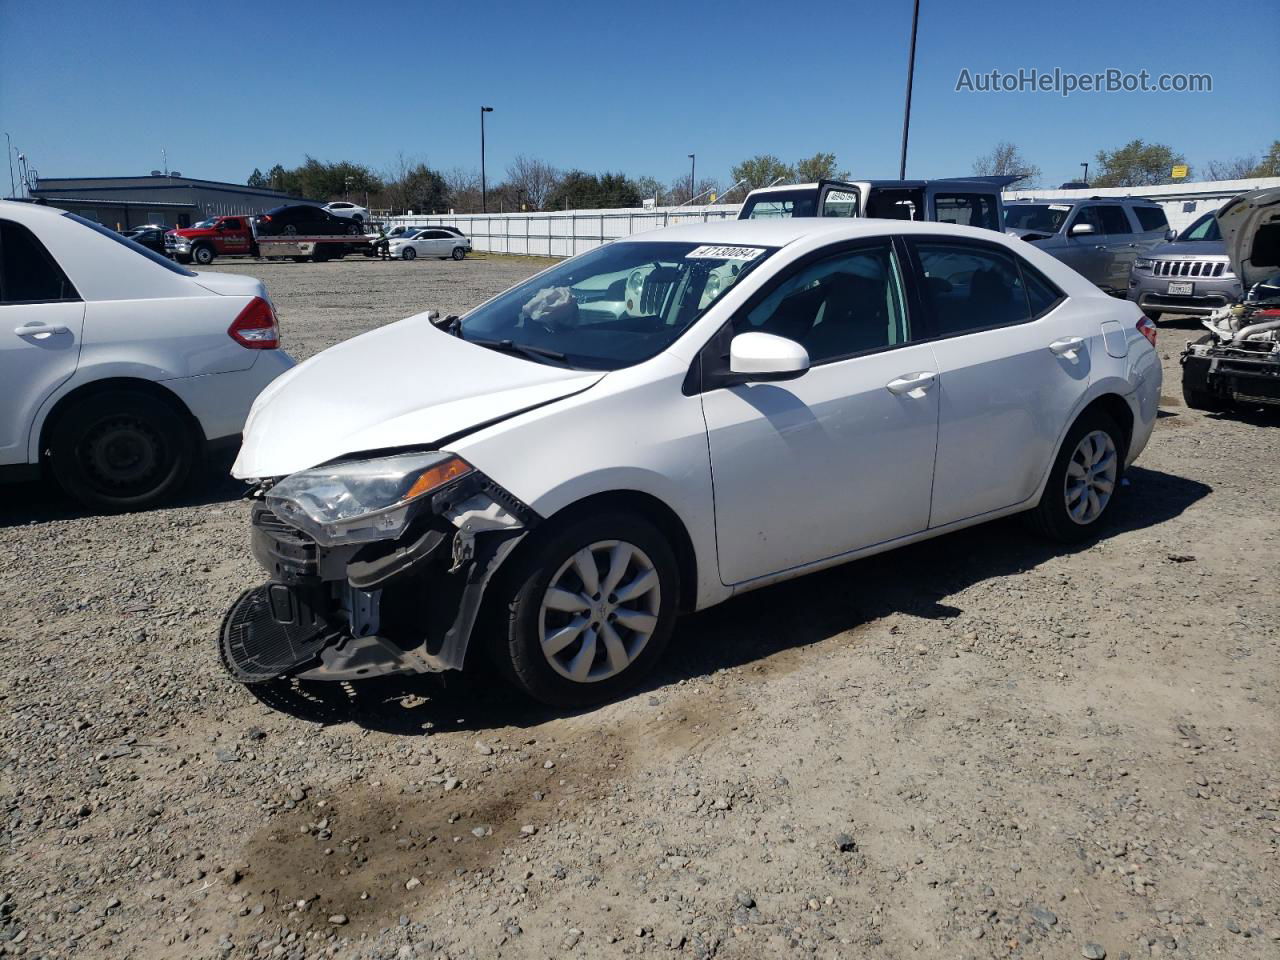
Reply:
x=1059, y=206
x=724, y=253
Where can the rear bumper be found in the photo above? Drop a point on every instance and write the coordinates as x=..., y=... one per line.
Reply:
x=221, y=401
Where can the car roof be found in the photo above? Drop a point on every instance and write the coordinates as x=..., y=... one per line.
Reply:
x=784, y=230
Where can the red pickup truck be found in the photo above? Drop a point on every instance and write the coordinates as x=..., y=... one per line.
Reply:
x=215, y=237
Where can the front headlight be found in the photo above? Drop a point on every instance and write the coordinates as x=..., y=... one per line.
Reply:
x=363, y=500
x=1142, y=263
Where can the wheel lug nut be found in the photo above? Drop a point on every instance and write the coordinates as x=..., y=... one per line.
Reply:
x=613, y=598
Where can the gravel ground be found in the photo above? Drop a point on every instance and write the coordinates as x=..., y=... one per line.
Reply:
x=979, y=747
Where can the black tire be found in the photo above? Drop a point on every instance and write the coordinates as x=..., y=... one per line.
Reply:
x=120, y=450
x=353, y=229
x=1050, y=517
x=1204, y=400
x=182, y=257
x=409, y=254
x=290, y=230
x=459, y=253
x=300, y=259
x=1153, y=315
x=203, y=255
x=516, y=607
x=358, y=218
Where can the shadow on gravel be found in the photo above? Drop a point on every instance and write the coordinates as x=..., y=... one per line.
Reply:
x=42, y=501
x=915, y=580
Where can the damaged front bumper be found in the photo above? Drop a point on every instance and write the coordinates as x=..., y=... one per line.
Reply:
x=355, y=611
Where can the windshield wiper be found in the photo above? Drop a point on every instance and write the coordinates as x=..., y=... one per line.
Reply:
x=510, y=346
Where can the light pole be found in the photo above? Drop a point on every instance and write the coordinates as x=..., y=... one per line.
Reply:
x=1086, y=172
x=693, y=165
x=484, y=200
x=911, y=71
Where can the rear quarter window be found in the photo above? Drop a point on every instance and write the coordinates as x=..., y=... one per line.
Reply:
x=1151, y=218
x=28, y=272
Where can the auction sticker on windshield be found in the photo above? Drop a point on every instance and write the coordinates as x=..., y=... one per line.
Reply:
x=724, y=253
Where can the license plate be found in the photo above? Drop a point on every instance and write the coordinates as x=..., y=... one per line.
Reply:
x=1181, y=289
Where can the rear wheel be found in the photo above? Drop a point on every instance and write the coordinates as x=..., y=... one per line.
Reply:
x=409, y=253
x=587, y=609
x=203, y=255
x=1084, y=480
x=290, y=230
x=459, y=253
x=122, y=450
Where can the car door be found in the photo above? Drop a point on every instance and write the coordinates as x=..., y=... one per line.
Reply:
x=41, y=323
x=1121, y=239
x=841, y=457
x=1085, y=253
x=233, y=237
x=1012, y=358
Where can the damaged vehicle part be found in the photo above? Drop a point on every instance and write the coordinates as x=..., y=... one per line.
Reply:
x=1238, y=361
x=343, y=604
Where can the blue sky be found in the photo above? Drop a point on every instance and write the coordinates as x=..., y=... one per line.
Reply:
x=99, y=88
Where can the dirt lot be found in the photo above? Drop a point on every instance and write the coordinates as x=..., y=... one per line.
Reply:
x=982, y=746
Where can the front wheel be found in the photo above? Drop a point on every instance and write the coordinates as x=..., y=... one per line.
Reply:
x=587, y=609
x=203, y=255
x=1084, y=480
x=122, y=451
x=409, y=253
x=459, y=253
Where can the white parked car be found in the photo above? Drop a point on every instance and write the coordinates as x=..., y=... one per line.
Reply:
x=341, y=208
x=440, y=242
x=118, y=367
x=554, y=476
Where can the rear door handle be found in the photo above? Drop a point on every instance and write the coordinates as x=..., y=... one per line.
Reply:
x=1067, y=346
x=39, y=329
x=912, y=384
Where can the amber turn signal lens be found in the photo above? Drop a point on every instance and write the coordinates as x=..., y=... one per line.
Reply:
x=437, y=476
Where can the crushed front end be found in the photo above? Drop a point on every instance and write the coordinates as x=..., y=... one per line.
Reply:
x=375, y=566
x=1238, y=361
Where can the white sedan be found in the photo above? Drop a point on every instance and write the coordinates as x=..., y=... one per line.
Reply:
x=352, y=211
x=119, y=368
x=436, y=242
x=557, y=474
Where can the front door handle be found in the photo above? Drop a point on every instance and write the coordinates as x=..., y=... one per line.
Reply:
x=1067, y=346
x=40, y=329
x=912, y=384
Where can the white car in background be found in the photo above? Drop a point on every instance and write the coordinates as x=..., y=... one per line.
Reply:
x=440, y=242
x=341, y=208
x=118, y=367
x=556, y=475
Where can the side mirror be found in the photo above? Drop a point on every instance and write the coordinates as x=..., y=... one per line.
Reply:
x=764, y=356
x=1171, y=234
x=1082, y=229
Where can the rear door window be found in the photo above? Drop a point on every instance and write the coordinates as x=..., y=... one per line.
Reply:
x=1151, y=218
x=1113, y=220
x=967, y=209
x=970, y=287
x=28, y=272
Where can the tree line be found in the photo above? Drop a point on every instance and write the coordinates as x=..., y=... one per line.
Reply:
x=532, y=184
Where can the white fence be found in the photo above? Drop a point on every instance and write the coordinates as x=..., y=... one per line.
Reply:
x=564, y=234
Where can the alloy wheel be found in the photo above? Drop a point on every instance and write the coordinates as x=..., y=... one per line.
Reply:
x=1091, y=477
x=599, y=611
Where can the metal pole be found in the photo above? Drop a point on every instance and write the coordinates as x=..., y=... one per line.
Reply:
x=911, y=70
x=8, y=149
x=484, y=200
x=1086, y=172
x=693, y=165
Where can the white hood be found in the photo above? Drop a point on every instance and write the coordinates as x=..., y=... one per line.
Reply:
x=405, y=384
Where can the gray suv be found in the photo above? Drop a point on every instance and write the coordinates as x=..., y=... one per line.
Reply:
x=1099, y=238
x=1191, y=274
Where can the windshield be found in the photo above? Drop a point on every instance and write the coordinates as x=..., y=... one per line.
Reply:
x=135, y=247
x=204, y=224
x=615, y=306
x=1206, y=228
x=1040, y=217
x=781, y=203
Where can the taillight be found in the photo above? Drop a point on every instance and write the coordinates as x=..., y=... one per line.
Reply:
x=256, y=327
x=1147, y=327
